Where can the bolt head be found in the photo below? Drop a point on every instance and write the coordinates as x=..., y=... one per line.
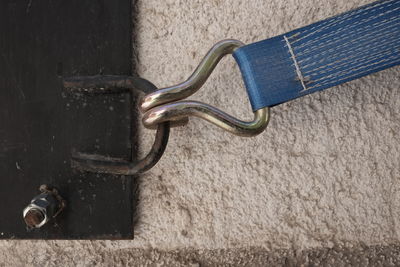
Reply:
x=41, y=209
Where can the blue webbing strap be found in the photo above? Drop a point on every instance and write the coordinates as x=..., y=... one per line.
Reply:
x=321, y=55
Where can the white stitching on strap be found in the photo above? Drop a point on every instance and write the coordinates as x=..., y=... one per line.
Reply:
x=298, y=71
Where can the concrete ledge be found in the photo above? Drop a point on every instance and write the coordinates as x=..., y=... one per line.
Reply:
x=252, y=256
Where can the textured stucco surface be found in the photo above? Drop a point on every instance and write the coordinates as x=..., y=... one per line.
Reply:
x=325, y=174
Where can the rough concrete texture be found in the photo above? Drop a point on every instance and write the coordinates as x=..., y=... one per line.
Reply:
x=320, y=186
x=88, y=254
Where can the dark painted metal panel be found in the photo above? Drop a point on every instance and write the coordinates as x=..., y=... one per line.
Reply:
x=40, y=42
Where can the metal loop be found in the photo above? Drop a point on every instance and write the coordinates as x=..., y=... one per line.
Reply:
x=155, y=112
x=117, y=84
x=101, y=164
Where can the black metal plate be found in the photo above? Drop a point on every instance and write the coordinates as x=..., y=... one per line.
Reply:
x=40, y=42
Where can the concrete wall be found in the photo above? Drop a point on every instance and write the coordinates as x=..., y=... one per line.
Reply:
x=325, y=174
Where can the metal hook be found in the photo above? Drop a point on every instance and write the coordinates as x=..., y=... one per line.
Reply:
x=155, y=112
x=182, y=109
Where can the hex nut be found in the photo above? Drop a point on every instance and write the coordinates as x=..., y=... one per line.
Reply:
x=43, y=207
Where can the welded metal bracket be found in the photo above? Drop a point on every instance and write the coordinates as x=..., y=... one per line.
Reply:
x=114, y=84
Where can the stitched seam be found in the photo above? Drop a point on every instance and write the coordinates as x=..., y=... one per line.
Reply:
x=353, y=60
x=337, y=38
x=357, y=26
x=325, y=52
x=296, y=64
x=343, y=18
x=358, y=73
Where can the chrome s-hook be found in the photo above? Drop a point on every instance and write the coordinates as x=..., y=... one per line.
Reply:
x=163, y=105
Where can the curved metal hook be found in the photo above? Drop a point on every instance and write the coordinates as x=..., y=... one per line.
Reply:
x=182, y=109
x=176, y=112
x=195, y=81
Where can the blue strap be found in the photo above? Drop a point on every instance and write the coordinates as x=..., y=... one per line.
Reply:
x=321, y=55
